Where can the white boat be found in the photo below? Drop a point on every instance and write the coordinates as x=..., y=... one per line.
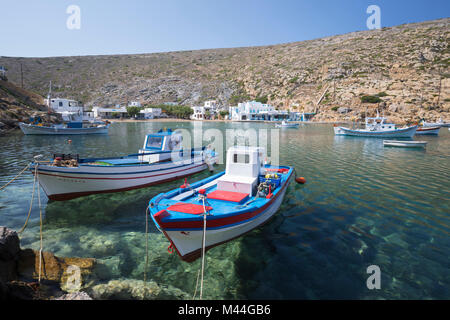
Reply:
x=440, y=123
x=68, y=177
x=428, y=130
x=404, y=144
x=236, y=201
x=67, y=128
x=286, y=124
x=377, y=127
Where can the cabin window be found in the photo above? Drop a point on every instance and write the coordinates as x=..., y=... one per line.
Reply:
x=60, y=104
x=241, y=158
x=154, y=142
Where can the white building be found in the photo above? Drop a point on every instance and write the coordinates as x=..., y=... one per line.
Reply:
x=212, y=104
x=253, y=110
x=70, y=110
x=134, y=104
x=201, y=112
x=150, y=113
x=2, y=71
x=108, y=113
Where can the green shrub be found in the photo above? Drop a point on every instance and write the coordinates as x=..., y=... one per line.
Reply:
x=370, y=99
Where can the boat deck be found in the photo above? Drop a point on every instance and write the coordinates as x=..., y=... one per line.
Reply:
x=184, y=204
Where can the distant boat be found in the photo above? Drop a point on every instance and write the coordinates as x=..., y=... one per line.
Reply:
x=67, y=177
x=428, y=130
x=63, y=129
x=377, y=128
x=234, y=202
x=286, y=124
x=404, y=144
x=440, y=123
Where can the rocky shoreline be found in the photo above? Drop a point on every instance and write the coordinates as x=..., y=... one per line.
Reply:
x=19, y=272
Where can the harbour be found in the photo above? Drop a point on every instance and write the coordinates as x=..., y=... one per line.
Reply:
x=362, y=205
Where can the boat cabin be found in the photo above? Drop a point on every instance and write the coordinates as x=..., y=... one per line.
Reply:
x=379, y=124
x=158, y=146
x=243, y=168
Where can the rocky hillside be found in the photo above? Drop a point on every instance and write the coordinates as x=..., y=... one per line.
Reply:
x=403, y=70
x=17, y=104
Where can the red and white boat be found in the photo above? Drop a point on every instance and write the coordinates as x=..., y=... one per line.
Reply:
x=428, y=130
x=161, y=160
x=222, y=207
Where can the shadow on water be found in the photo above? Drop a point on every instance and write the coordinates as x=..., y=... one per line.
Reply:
x=306, y=253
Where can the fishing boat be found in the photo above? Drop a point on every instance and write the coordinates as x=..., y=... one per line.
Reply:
x=439, y=123
x=377, y=127
x=286, y=124
x=65, y=128
x=428, y=130
x=222, y=207
x=160, y=160
x=404, y=144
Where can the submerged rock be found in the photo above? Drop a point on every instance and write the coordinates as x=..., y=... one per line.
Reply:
x=128, y=289
x=9, y=251
x=75, y=296
x=69, y=272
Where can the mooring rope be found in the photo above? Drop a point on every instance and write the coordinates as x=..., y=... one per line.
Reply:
x=40, y=228
x=146, y=245
x=203, y=247
x=31, y=202
x=3, y=187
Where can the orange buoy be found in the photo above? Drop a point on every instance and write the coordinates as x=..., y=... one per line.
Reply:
x=300, y=180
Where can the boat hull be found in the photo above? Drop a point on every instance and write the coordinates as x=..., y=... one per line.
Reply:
x=187, y=242
x=405, y=144
x=398, y=133
x=30, y=129
x=428, y=131
x=65, y=183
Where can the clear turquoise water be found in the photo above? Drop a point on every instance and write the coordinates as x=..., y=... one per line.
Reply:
x=363, y=204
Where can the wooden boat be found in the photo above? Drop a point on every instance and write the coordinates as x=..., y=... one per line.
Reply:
x=160, y=160
x=286, y=124
x=63, y=129
x=428, y=130
x=235, y=201
x=404, y=144
x=377, y=127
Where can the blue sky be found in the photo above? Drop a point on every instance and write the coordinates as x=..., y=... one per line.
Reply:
x=37, y=28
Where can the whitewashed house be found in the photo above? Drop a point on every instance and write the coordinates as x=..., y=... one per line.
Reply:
x=108, y=113
x=70, y=110
x=253, y=110
x=2, y=71
x=135, y=104
x=150, y=113
x=202, y=112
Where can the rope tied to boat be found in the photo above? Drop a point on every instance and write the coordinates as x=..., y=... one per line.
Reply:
x=26, y=167
x=202, y=196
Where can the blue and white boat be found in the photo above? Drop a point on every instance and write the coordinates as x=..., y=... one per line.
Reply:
x=377, y=127
x=160, y=160
x=71, y=128
x=222, y=207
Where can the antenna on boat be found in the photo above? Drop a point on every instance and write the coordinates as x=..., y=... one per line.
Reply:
x=49, y=96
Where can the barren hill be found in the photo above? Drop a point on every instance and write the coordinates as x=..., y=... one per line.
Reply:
x=405, y=67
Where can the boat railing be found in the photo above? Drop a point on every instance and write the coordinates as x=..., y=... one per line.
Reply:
x=194, y=151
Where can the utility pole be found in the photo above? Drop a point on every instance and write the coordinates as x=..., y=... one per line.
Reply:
x=21, y=74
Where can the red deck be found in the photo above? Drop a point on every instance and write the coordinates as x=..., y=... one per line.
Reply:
x=227, y=195
x=188, y=208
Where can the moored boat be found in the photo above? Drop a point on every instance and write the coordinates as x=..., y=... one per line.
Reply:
x=161, y=160
x=404, y=144
x=232, y=203
x=286, y=124
x=63, y=129
x=377, y=127
x=428, y=130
